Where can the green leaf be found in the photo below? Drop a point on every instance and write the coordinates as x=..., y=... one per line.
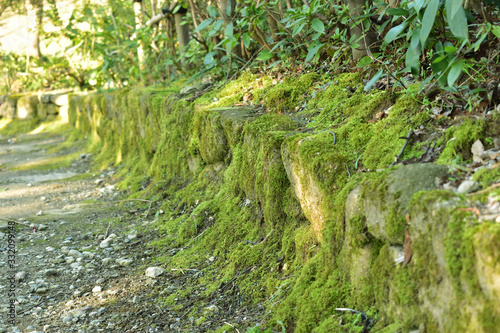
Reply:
x=297, y=29
x=395, y=32
x=450, y=49
x=264, y=55
x=428, y=21
x=317, y=25
x=209, y=58
x=413, y=53
x=312, y=51
x=217, y=25
x=374, y=79
x=398, y=12
x=204, y=24
x=366, y=60
x=452, y=7
x=496, y=31
x=419, y=4
x=457, y=20
x=228, y=32
x=439, y=59
x=455, y=71
x=246, y=40
x=213, y=11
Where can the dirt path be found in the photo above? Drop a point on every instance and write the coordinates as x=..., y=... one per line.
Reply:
x=82, y=252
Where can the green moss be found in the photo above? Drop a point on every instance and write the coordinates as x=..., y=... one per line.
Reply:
x=487, y=177
x=16, y=126
x=358, y=233
x=458, y=140
x=282, y=97
x=219, y=175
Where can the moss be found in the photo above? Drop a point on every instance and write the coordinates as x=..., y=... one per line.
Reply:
x=458, y=140
x=282, y=97
x=16, y=127
x=219, y=175
x=487, y=177
x=395, y=223
x=358, y=233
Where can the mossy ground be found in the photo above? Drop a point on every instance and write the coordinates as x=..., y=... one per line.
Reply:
x=226, y=195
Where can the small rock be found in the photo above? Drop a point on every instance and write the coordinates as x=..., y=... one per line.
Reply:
x=467, y=187
x=107, y=261
x=80, y=312
x=50, y=272
x=155, y=271
x=75, y=253
x=49, y=249
x=42, y=227
x=88, y=254
x=210, y=309
x=40, y=213
x=67, y=319
x=99, y=181
x=106, y=243
x=76, y=265
x=124, y=262
x=97, y=289
x=20, y=276
x=41, y=290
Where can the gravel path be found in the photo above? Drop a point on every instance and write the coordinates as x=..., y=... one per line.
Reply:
x=82, y=261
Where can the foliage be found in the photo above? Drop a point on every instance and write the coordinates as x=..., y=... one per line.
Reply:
x=435, y=38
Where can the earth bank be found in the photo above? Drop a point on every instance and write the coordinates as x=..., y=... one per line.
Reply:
x=281, y=196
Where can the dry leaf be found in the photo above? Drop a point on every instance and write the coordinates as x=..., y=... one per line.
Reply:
x=477, y=149
x=471, y=209
x=408, y=250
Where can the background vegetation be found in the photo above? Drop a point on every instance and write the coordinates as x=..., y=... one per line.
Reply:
x=449, y=44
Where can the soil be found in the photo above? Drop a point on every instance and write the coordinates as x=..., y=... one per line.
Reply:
x=69, y=279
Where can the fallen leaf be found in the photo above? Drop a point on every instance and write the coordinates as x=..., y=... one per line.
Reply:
x=408, y=250
x=471, y=209
x=477, y=149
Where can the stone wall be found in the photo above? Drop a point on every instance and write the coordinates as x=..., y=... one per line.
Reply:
x=41, y=106
x=350, y=231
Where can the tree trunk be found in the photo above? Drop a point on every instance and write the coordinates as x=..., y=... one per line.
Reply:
x=365, y=39
x=35, y=16
x=182, y=30
x=138, y=24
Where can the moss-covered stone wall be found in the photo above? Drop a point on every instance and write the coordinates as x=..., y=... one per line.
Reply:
x=290, y=205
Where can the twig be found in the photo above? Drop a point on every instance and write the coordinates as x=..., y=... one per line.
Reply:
x=107, y=230
x=483, y=191
x=184, y=269
x=410, y=133
x=231, y=326
x=269, y=234
x=144, y=200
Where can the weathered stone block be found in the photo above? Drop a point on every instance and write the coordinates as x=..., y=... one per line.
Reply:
x=27, y=107
x=9, y=107
x=385, y=203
